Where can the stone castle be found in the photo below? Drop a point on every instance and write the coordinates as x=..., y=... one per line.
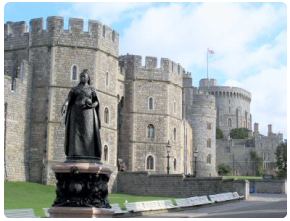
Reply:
x=142, y=107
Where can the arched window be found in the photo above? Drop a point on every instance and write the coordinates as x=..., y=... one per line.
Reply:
x=13, y=84
x=150, y=131
x=174, y=163
x=74, y=73
x=174, y=133
x=150, y=103
x=150, y=163
x=107, y=78
x=106, y=153
x=208, y=159
x=208, y=143
x=230, y=122
x=106, y=115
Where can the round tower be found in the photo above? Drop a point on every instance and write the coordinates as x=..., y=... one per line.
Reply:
x=232, y=105
x=203, y=122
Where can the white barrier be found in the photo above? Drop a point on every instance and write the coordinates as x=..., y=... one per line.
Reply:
x=117, y=209
x=20, y=213
x=185, y=202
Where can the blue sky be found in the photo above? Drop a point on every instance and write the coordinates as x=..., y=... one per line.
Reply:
x=249, y=40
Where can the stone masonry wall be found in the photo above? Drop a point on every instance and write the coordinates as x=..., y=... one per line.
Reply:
x=163, y=85
x=176, y=185
x=16, y=149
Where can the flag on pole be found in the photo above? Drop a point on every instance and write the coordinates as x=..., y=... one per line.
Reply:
x=210, y=51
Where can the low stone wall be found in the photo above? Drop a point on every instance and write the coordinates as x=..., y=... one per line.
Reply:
x=269, y=186
x=177, y=185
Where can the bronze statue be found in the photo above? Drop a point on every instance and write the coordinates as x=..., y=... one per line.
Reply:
x=82, y=122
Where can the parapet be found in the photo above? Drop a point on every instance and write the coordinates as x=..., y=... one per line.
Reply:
x=15, y=28
x=55, y=24
x=226, y=91
x=207, y=82
x=151, y=63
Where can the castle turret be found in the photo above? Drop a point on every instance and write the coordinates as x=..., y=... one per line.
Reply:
x=202, y=117
x=232, y=104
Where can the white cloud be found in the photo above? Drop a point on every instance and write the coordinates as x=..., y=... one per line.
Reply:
x=249, y=41
x=107, y=13
x=249, y=44
x=269, y=98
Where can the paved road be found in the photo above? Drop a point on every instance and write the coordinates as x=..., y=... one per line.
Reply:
x=257, y=206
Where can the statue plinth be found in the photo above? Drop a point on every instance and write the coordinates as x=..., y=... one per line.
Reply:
x=81, y=190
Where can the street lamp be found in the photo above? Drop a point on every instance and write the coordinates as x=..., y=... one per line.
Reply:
x=168, y=146
x=195, y=161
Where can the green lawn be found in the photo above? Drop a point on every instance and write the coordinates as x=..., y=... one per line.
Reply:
x=243, y=177
x=32, y=195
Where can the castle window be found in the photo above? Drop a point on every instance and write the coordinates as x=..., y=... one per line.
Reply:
x=150, y=163
x=208, y=143
x=174, y=106
x=74, y=73
x=104, y=31
x=113, y=35
x=208, y=125
x=106, y=153
x=150, y=103
x=21, y=71
x=229, y=110
x=13, y=84
x=174, y=164
x=107, y=78
x=230, y=122
x=174, y=133
x=106, y=115
x=208, y=159
x=150, y=131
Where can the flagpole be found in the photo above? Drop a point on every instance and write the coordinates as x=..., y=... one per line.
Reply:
x=207, y=63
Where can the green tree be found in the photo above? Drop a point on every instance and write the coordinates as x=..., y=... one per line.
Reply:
x=257, y=163
x=281, y=156
x=239, y=133
x=219, y=133
x=224, y=169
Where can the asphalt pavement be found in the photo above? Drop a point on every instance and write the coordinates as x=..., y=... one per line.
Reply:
x=257, y=206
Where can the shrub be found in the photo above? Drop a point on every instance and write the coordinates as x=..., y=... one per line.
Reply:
x=281, y=156
x=224, y=169
x=219, y=133
x=239, y=133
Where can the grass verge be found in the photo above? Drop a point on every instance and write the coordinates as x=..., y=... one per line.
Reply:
x=19, y=195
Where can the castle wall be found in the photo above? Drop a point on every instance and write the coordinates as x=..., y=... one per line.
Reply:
x=236, y=153
x=164, y=86
x=176, y=185
x=16, y=133
x=17, y=102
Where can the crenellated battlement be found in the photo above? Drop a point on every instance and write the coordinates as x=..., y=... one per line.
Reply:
x=98, y=35
x=15, y=28
x=151, y=63
x=210, y=85
x=167, y=70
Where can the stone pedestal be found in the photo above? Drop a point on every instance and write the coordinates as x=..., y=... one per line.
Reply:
x=81, y=190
